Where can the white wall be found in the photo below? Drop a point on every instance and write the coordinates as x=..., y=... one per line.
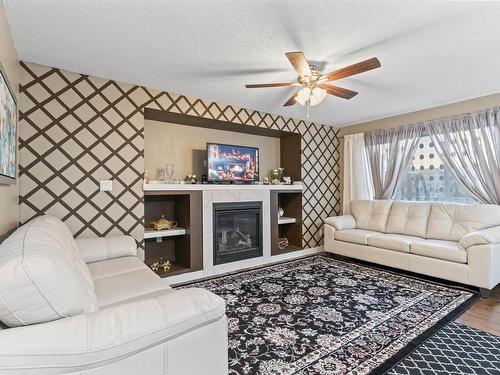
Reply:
x=9, y=211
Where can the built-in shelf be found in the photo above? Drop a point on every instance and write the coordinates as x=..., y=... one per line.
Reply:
x=290, y=248
x=286, y=220
x=151, y=233
x=289, y=227
x=175, y=269
x=182, y=245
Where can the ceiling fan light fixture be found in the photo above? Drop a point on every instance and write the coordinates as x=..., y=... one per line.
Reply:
x=303, y=95
x=317, y=95
x=313, y=84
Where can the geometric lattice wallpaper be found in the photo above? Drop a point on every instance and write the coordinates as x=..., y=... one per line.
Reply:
x=75, y=130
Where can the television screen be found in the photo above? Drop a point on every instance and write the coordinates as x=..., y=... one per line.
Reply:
x=8, y=117
x=232, y=163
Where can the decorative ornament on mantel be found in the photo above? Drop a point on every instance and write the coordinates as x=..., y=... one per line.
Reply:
x=162, y=224
x=313, y=83
x=163, y=264
x=277, y=175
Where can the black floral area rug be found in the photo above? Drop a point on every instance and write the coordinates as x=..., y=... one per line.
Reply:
x=455, y=349
x=325, y=316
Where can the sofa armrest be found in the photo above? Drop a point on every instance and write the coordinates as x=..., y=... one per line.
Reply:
x=87, y=341
x=341, y=222
x=96, y=249
x=489, y=236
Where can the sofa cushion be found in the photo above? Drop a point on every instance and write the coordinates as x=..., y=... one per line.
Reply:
x=42, y=275
x=438, y=249
x=116, y=266
x=371, y=214
x=409, y=218
x=452, y=221
x=489, y=236
x=125, y=286
x=341, y=222
x=358, y=236
x=397, y=242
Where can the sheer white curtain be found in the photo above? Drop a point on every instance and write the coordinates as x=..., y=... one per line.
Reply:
x=390, y=152
x=469, y=144
x=358, y=182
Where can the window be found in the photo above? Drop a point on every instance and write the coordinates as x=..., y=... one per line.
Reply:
x=428, y=179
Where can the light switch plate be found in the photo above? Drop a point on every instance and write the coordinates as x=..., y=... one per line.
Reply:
x=106, y=185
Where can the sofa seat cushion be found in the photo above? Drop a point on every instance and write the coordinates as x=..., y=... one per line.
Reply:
x=125, y=286
x=155, y=294
x=359, y=236
x=42, y=275
x=396, y=242
x=116, y=266
x=438, y=249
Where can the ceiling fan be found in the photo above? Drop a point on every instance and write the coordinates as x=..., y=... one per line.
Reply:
x=314, y=84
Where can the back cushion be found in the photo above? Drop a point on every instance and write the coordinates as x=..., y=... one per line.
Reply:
x=408, y=218
x=42, y=275
x=452, y=221
x=371, y=214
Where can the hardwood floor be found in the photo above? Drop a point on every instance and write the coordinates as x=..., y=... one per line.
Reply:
x=484, y=314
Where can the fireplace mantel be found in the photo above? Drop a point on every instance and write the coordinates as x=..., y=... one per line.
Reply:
x=157, y=186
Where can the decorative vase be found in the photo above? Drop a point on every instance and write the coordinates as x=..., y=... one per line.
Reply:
x=281, y=212
x=277, y=175
x=282, y=243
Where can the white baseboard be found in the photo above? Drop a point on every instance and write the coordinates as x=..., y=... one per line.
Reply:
x=241, y=265
x=297, y=254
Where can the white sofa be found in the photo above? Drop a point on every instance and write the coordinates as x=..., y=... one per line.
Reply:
x=91, y=307
x=456, y=242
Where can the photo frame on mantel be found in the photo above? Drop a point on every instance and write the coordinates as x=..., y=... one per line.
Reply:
x=8, y=131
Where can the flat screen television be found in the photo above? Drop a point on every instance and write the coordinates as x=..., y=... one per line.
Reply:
x=232, y=163
x=8, y=127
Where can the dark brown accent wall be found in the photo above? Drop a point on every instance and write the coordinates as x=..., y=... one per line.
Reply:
x=77, y=129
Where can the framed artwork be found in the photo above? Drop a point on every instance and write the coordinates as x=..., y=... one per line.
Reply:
x=8, y=131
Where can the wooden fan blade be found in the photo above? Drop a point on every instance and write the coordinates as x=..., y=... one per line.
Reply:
x=277, y=84
x=299, y=62
x=351, y=70
x=291, y=101
x=338, y=91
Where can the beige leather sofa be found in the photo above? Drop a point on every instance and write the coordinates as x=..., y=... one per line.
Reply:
x=451, y=241
x=91, y=307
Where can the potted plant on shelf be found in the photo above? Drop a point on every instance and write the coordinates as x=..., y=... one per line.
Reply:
x=277, y=175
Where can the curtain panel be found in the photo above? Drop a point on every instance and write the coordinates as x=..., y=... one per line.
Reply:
x=469, y=145
x=389, y=153
x=357, y=176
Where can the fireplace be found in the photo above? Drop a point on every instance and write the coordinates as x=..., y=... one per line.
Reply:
x=237, y=231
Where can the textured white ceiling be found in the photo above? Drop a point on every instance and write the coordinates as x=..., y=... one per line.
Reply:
x=432, y=53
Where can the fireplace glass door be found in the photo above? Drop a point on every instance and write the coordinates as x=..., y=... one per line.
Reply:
x=237, y=231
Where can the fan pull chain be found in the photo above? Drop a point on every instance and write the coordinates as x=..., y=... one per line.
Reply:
x=308, y=108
